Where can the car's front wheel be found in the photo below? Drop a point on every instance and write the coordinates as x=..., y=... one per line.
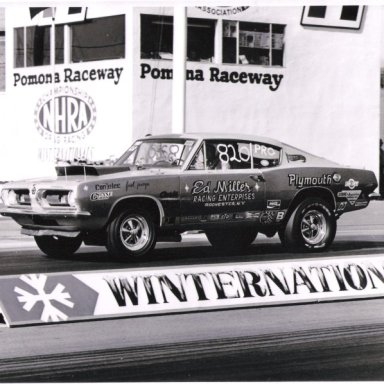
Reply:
x=231, y=239
x=58, y=246
x=312, y=226
x=131, y=234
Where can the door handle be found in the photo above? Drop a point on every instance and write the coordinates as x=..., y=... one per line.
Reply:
x=258, y=178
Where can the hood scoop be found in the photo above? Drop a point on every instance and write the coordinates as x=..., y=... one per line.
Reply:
x=89, y=170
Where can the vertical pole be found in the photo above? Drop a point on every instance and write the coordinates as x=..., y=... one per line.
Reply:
x=53, y=67
x=270, y=45
x=179, y=68
x=219, y=42
x=237, y=42
x=129, y=51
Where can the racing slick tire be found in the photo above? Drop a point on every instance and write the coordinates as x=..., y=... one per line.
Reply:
x=231, y=239
x=131, y=234
x=58, y=246
x=311, y=227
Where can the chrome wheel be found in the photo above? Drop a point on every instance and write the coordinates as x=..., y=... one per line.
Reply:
x=134, y=233
x=310, y=227
x=131, y=234
x=313, y=227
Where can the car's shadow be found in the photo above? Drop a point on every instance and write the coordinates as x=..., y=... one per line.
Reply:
x=190, y=253
x=177, y=254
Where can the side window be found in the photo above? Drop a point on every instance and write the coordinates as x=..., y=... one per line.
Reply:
x=208, y=157
x=230, y=154
x=234, y=154
x=198, y=161
x=265, y=155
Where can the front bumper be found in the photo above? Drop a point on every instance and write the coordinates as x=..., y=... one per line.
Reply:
x=55, y=220
x=49, y=232
x=49, y=213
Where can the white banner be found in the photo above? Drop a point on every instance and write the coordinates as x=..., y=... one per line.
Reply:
x=245, y=284
x=46, y=298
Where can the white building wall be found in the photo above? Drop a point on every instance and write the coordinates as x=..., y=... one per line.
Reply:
x=327, y=102
x=30, y=153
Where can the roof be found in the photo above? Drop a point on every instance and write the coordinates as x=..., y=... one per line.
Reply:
x=212, y=136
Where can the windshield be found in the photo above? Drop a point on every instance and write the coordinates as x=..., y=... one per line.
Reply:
x=157, y=153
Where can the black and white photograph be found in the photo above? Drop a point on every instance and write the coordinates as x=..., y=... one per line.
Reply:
x=191, y=191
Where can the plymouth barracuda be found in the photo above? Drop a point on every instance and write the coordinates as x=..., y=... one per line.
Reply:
x=230, y=187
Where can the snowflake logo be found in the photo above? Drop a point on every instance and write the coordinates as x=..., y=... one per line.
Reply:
x=58, y=294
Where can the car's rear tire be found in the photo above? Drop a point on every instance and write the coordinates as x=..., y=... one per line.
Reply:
x=311, y=227
x=131, y=234
x=58, y=246
x=231, y=239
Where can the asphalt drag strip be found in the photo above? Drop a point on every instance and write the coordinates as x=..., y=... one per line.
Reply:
x=331, y=354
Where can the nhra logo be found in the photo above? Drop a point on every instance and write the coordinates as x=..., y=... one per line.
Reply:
x=66, y=114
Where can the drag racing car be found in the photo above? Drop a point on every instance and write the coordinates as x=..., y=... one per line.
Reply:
x=230, y=187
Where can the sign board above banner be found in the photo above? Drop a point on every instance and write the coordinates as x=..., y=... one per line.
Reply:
x=51, y=298
x=335, y=16
x=57, y=15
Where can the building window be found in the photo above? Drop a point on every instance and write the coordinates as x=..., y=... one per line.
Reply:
x=19, y=47
x=33, y=46
x=98, y=39
x=59, y=44
x=335, y=16
x=157, y=38
x=349, y=12
x=317, y=11
x=200, y=39
x=2, y=49
x=94, y=39
x=38, y=42
x=253, y=43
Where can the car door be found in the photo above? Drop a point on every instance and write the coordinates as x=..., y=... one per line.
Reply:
x=220, y=185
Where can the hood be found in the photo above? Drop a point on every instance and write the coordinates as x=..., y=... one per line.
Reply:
x=89, y=170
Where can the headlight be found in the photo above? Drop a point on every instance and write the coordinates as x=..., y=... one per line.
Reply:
x=9, y=197
x=56, y=198
x=72, y=198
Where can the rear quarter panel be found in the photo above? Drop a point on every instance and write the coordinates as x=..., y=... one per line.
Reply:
x=349, y=187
